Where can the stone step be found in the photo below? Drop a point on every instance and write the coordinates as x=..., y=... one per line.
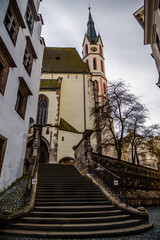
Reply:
x=77, y=227
x=46, y=220
x=71, y=214
x=68, y=199
x=84, y=203
x=74, y=208
x=85, y=234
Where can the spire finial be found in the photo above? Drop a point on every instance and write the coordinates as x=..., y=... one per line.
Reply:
x=89, y=8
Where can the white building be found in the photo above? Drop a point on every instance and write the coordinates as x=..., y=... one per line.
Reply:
x=70, y=88
x=21, y=52
x=149, y=18
x=65, y=101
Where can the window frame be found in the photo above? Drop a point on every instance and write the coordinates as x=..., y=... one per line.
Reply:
x=6, y=62
x=29, y=55
x=104, y=88
x=22, y=97
x=42, y=116
x=33, y=16
x=102, y=66
x=86, y=49
x=13, y=20
x=94, y=63
x=2, y=151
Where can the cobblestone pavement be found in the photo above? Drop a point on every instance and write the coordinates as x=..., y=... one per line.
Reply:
x=153, y=234
x=13, y=198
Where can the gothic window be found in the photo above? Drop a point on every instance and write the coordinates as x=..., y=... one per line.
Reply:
x=3, y=142
x=94, y=63
x=102, y=67
x=42, y=109
x=6, y=61
x=22, y=95
x=100, y=49
x=29, y=55
x=104, y=88
x=86, y=49
x=31, y=15
x=13, y=20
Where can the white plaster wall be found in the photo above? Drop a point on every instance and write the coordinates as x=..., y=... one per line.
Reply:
x=12, y=126
x=72, y=101
x=65, y=147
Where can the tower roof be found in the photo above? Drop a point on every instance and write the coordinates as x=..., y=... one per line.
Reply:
x=91, y=32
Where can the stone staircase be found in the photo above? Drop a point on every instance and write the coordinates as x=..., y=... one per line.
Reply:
x=69, y=205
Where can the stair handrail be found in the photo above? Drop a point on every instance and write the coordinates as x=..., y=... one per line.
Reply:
x=105, y=169
x=113, y=183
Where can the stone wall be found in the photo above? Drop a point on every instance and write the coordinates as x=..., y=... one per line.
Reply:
x=142, y=185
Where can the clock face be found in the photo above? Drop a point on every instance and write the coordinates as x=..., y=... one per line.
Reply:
x=93, y=49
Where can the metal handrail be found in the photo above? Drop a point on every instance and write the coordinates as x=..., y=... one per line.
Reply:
x=99, y=165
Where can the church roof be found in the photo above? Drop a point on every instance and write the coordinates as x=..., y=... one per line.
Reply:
x=62, y=60
x=91, y=32
x=65, y=126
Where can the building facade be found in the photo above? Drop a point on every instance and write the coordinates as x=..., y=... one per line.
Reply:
x=64, y=104
x=70, y=88
x=149, y=18
x=21, y=52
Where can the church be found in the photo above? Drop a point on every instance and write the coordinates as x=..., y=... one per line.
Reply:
x=69, y=89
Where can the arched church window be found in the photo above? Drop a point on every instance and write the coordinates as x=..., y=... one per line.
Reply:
x=104, y=88
x=86, y=49
x=100, y=49
x=42, y=109
x=102, y=67
x=94, y=63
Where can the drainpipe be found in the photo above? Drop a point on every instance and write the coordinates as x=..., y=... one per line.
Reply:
x=84, y=94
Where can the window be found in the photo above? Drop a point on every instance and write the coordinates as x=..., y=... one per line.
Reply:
x=31, y=15
x=96, y=89
x=104, y=88
x=158, y=42
x=86, y=49
x=6, y=61
x=94, y=63
x=100, y=49
x=3, y=143
x=13, y=20
x=102, y=67
x=29, y=55
x=42, y=109
x=22, y=95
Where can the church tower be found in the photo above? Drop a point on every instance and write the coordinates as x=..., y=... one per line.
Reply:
x=93, y=56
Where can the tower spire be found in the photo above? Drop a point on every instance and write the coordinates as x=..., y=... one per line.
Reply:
x=91, y=32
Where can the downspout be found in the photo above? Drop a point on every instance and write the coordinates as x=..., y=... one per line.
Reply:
x=84, y=94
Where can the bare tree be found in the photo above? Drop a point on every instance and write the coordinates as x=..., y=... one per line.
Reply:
x=121, y=112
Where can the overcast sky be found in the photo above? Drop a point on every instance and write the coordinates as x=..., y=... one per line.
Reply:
x=126, y=57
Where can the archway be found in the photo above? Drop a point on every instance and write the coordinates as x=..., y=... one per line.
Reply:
x=43, y=153
x=66, y=160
